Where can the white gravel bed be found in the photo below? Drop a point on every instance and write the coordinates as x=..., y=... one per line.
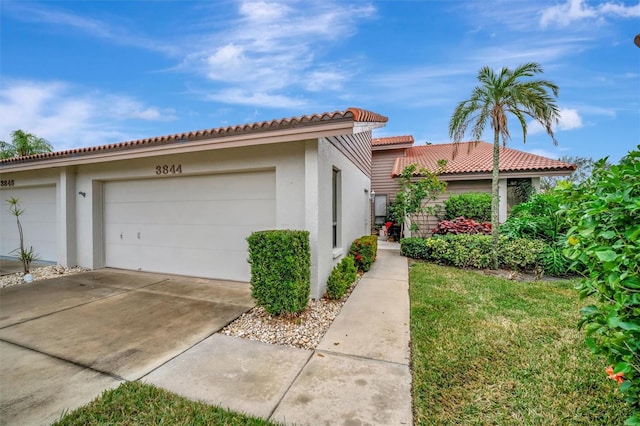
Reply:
x=42, y=273
x=304, y=330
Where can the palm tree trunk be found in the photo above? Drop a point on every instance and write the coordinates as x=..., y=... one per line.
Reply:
x=495, y=200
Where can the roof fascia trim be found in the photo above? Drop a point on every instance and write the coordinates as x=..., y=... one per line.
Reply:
x=198, y=145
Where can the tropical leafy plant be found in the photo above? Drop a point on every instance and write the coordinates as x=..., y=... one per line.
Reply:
x=553, y=261
x=605, y=240
x=539, y=218
x=418, y=187
x=23, y=144
x=498, y=95
x=25, y=256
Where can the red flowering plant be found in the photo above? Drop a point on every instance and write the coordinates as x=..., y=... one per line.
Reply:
x=364, y=250
x=618, y=377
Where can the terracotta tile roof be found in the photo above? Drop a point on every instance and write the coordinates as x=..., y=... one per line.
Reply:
x=354, y=114
x=476, y=159
x=392, y=140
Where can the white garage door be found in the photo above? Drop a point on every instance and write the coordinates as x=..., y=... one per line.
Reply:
x=194, y=225
x=38, y=221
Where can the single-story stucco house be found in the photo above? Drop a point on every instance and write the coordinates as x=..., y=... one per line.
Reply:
x=469, y=170
x=185, y=203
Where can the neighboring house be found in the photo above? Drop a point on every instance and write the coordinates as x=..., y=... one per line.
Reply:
x=469, y=170
x=185, y=203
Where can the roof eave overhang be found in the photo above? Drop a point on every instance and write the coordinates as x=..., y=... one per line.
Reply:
x=362, y=126
x=333, y=128
x=388, y=147
x=503, y=175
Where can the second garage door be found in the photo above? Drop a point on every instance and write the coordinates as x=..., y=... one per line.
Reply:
x=194, y=225
x=38, y=221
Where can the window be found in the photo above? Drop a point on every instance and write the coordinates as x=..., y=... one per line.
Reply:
x=518, y=191
x=380, y=208
x=335, y=207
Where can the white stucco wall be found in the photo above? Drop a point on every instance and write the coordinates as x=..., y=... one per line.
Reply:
x=303, y=172
x=354, y=213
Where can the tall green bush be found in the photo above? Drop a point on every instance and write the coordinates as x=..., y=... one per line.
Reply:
x=280, y=270
x=605, y=241
x=364, y=251
x=341, y=278
x=472, y=205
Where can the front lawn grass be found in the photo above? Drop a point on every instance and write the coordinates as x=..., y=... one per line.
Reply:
x=489, y=351
x=135, y=403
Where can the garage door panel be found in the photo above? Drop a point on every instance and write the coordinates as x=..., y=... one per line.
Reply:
x=224, y=186
x=225, y=212
x=194, y=262
x=39, y=221
x=198, y=262
x=187, y=225
x=204, y=237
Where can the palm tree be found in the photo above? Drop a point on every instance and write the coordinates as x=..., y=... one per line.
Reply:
x=510, y=91
x=23, y=144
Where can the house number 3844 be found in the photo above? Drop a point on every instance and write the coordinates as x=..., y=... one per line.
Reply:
x=172, y=169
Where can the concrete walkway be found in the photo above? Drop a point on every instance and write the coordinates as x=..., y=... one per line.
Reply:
x=63, y=341
x=359, y=374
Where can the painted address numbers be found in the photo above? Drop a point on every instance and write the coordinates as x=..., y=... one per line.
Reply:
x=173, y=169
x=9, y=182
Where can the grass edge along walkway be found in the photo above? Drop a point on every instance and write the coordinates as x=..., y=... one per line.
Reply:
x=487, y=350
x=136, y=403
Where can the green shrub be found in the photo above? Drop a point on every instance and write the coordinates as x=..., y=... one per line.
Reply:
x=521, y=254
x=474, y=251
x=553, y=261
x=364, y=251
x=473, y=205
x=341, y=278
x=280, y=270
x=463, y=250
x=539, y=218
x=415, y=248
x=605, y=239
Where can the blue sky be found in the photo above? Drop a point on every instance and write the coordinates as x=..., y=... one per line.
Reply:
x=95, y=72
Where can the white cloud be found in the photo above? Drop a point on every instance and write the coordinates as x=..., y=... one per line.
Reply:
x=264, y=47
x=318, y=81
x=70, y=117
x=35, y=13
x=126, y=108
x=273, y=47
x=258, y=99
x=569, y=120
x=577, y=10
x=262, y=11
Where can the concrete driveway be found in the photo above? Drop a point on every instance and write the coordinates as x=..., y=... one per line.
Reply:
x=65, y=340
